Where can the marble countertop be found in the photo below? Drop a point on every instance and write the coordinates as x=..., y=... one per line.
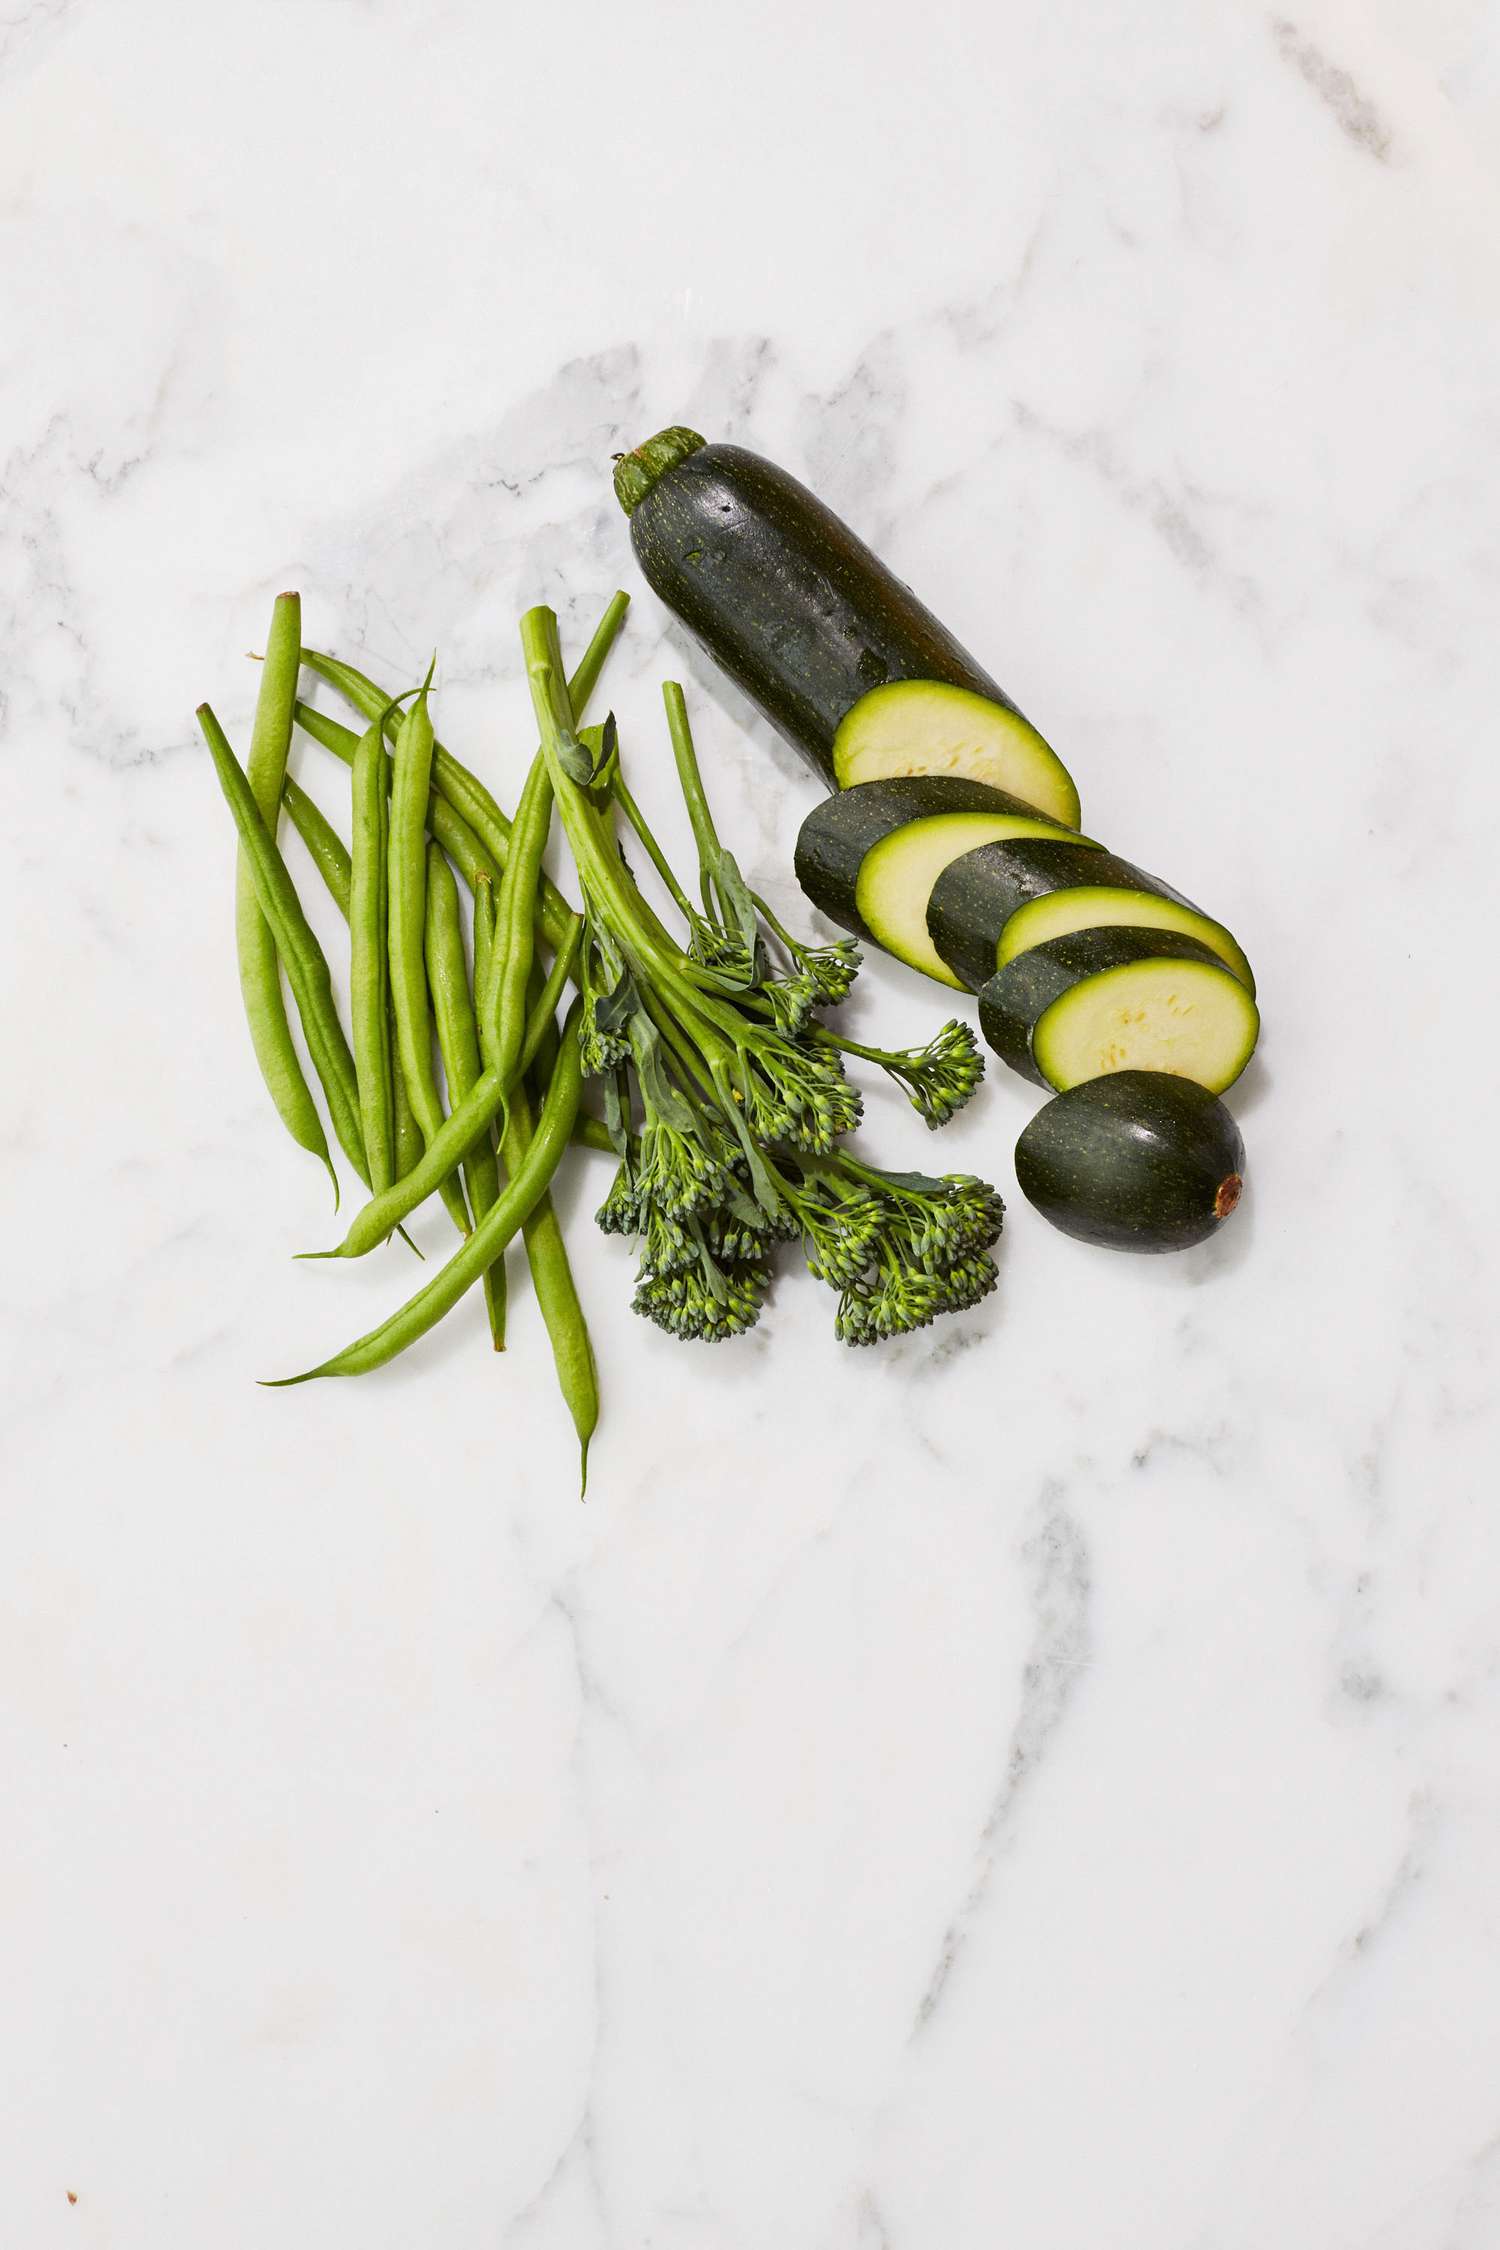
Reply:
x=1038, y=1786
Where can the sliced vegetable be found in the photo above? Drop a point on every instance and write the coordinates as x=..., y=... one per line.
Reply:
x=870, y=856
x=1002, y=899
x=1192, y=1020
x=1139, y=1160
x=808, y=622
x=926, y=726
x=1148, y=999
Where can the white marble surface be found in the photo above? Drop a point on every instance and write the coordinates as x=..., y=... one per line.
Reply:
x=1038, y=1788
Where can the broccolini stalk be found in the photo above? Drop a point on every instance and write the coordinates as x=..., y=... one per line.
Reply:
x=726, y=1100
x=937, y=1079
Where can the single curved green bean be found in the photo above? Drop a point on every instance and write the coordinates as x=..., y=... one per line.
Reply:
x=301, y=955
x=325, y=846
x=503, y=1002
x=544, y=1000
x=369, y=960
x=547, y=1258
x=330, y=855
x=495, y=1229
x=260, y=977
x=458, y=1044
x=407, y=928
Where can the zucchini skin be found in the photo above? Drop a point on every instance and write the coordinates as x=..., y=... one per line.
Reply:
x=1139, y=1160
x=975, y=897
x=837, y=834
x=1016, y=997
x=800, y=613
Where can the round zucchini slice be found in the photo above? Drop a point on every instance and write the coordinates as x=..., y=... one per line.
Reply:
x=1193, y=1019
x=1018, y=996
x=930, y=727
x=1140, y=1160
x=870, y=855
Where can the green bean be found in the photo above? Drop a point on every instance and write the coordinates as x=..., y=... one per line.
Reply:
x=547, y=1258
x=543, y=1001
x=301, y=955
x=330, y=855
x=503, y=1002
x=260, y=978
x=499, y=1224
x=484, y=939
x=458, y=1044
x=410, y=776
x=369, y=960
x=463, y=791
x=325, y=846
x=496, y=1279
x=460, y=1130
x=447, y=827
x=543, y=1059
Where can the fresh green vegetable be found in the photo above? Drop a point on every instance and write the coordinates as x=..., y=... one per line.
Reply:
x=369, y=969
x=742, y=1105
x=1194, y=1019
x=330, y=855
x=926, y=726
x=453, y=783
x=997, y=901
x=726, y=1098
x=260, y=978
x=496, y=1283
x=475, y=1255
x=871, y=856
x=1139, y=1160
x=458, y=1044
x=445, y=826
x=300, y=953
x=548, y=1264
x=411, y=774
x=503, y=1000
x=325, y=846
x=1017, y=996
x=808, y=622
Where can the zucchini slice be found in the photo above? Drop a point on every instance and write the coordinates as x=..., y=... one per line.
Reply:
x=1020, y=995
x=927, y=726
x=1008, y=897
x=869, y=856
x=1192, y=1019
x=1139, y=1160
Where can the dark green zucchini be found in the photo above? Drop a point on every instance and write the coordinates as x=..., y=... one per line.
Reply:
x=1000, y=900
x=838, y=654
x=1136, y=1161
x=1037, y=986
x=869, y=856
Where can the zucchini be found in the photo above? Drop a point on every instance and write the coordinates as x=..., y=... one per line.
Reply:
x=869, y=856
x=1119, y=999
x=833, y=649
x=1139, y=1160
x=1001, y=900
x=927, y=726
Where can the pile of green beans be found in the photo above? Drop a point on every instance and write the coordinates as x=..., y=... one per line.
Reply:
x=489, y=1138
